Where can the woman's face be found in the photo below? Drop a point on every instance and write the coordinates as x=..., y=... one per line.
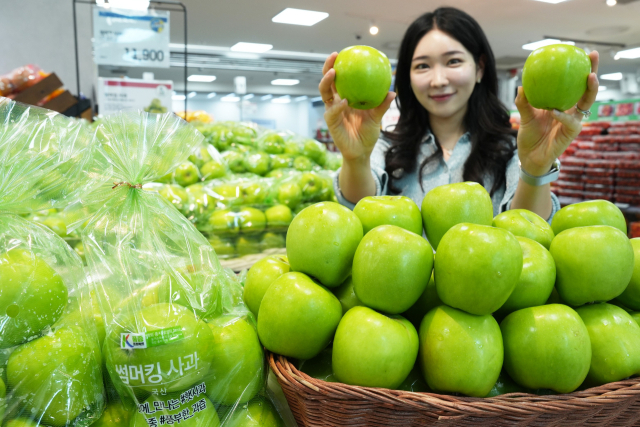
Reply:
x=443, y=74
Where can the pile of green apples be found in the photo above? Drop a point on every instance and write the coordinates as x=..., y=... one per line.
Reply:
x=483, y=306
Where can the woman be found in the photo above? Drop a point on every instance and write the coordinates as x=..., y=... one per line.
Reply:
x=452, y=127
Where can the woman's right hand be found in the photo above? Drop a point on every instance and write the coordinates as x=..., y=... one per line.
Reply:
x=354, y=132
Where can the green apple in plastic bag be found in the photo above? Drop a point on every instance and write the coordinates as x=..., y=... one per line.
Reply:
x=198, y=412
x=195, y=290
x=176, y=195
x=21, y=422
x=257, y=413
x=58, y=377
x=114, y=415
x=32, y=297
x=175, y=353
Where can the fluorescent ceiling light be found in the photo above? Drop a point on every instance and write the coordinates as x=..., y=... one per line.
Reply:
x=545, y=42
x=629, y=53
x=266, y=97
x=612, y=76
x=551, y=1
x=178, y=97
x=191, y=94
x=201, y=78
x=211, y=95
x=230, y=98
x=300, y=98
x=373, y=30
x=285, y=82
x=251, y=47
x=611, y=2
x=130, y=4
x=282, y=100
x=299, y=17
x=248, y=96
x=601, y=88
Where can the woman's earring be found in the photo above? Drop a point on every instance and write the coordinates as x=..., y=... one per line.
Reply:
x=479, y=80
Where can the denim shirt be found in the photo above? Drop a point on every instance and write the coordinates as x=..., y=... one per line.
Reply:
x=440, y=172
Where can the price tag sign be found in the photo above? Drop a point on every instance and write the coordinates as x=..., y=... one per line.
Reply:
x=131, y=38
x=153, y=96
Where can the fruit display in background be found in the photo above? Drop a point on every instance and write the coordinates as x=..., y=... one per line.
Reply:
x=536, y=281
x=477, y=267
x=297, y=316
x=206, y=416
x=451, y=204
x=555, y=76
x=391, y=268
x=32, y=296
x=592, y=212
x=546, y=347
x=347, y=295
x=363, y=76
x=260, y=276
x=615, y=343
x=460, y=352
x=187, y=174
x=374, y=350
x=524, y=223
x=593, y=263
x=631, y=295
x=389, y=210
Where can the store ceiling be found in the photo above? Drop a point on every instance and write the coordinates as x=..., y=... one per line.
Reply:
x=508, y=24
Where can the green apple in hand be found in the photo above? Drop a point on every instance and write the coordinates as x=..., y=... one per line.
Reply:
x=289, y=194
x=237, y=368
x=260, y=276
x=257, y=413
x=631, y=295
x=477, y=267
x=58, y=376
x=546, y=347
x=396, y=284
x=186, y=174
x=374, y=350
x=593, y=263
x=389, y=210
x=521, y=222
x=363, y=76
x=278, y=216
x=615, y=343
x=451, y=204
x=460, y=352
x=206, y=416
x=32, y=296
x=428, y=300
x=322, y=241
x=347, y=296
x=297, y=316
x=536, y=280
x=258, y=163
x=555, y=76
x=213, y=170
x=251, y=220
x=592, y=212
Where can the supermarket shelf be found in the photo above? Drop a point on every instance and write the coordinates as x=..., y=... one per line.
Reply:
x=624, y=207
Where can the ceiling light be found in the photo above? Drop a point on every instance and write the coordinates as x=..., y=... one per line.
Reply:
x=178, y=97
x=373, y=30
x=130, y=4
x=248, y=96
x=211, y=95
x=201, y=78
x=191, y=94
x=551, y=1
x=232, y=97
x=611, y=2
x=545, y=42
x=266, y=97
x=300, y=98
x=282, y=100
x=299, y=17
x=601, y=88
x=629, y=53
x=251, y=47
x=285, y=82
x=611, y=76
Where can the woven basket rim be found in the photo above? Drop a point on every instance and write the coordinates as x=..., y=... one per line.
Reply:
x=516, y=404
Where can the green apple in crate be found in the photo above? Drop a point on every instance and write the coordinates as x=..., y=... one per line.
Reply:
x=592, y=212
x=389, y=210
x=186, y=174
x=363, y=76
x=428, y=300
x=260, y=276
x=260, y=412
x=201, y=411
x=521, y=222
x=319, y=367
x=631, y=295
x=347, y=295
x=213, y=170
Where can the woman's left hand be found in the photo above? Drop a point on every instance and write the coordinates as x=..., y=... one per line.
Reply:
x=543, y=134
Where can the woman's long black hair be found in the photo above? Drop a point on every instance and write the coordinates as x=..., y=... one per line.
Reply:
x=486, y=120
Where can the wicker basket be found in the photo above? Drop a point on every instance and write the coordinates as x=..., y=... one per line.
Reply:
x=320, y=403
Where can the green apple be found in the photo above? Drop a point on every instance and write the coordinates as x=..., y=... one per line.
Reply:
x=223, y=247
x=311, y=185
x=260, y=276
x=292, y=148
x=200, y=199
x=546, y=347
x=251, y=220
x=278, y=216
x=592, y=212
x=195, y=290
x=477, y=267
x=363, y=76
x=315, y=150
x=374, y=350
x=615, y=343
x=166, y=179
x=114, y=415
x=451, y=204
x=319, y=367
x=228, y=194
x=272, y=143
x=281, y=161
x=178, y=346
x=22, y=422
x=254, y=193
x=58, y=376
x=176, y=195
x=258, y=163
x=460, y=352
x=347, y=296
x=504, y=385
x=260, y=412
x=415, y=381
x=536, y=280
x=302, y=163
x=631, y=295
x=32, y=296
x=555, y=76
x=213, y=170
x=200, y=410
x=243, y=134
x=521, y=222
x=635, y=315
x=271, y=240
x=247, y=245
x=186, y=174
x=57, y=225
x=428, y=300
x=391, y=268
x=297, y=316
x=235, y=160
x=389, y=210
x=289, y=194
x=200, y=157
x=224, y=222
x=593, y=263
x=322, y=241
